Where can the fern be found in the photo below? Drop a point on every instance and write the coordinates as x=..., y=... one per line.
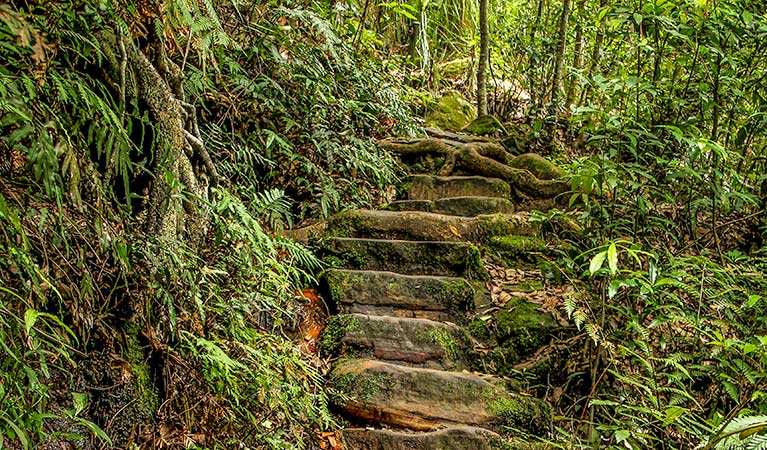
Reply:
x=741, y=432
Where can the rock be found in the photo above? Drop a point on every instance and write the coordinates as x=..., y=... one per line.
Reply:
x=515, y=332
x=486, y=126
x=392, y=294
x=450, y=112
x=537, y=165
x=514, y=248
x=427, y=187
x=450, y=438
x=414, y=342
x=411, y=205
x=424, y=399
x=473, y=206
x=455, y=259
x=425, y=226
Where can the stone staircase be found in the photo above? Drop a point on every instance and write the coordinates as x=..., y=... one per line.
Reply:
x=405, y=282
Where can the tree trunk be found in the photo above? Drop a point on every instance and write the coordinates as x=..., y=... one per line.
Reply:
x=556, y=82
x=594, y=66
x=484, y=56
x=578, y=58
x=170, y=215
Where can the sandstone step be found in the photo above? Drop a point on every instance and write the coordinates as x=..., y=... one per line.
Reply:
x=426, y=226
x=450, y=438
x=429, y=187
x=425, y=399
x=413, y=342
x=456, y=206
x=457, y=259
x=393, y=294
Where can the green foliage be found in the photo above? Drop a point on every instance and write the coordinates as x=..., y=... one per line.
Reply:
x=312, y=108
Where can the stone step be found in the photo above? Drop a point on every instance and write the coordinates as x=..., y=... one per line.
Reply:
x=412, y=342
x=455, y=259
x=393, y=294
x=456, y=206
x=426, y=226
x=449, y=438
x=429, y=187
x=425, y=399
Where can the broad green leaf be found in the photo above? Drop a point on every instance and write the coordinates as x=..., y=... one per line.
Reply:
x=622, y=435
x=79, y=401
x=597, y=261
x=612, y=258
x=30, y=318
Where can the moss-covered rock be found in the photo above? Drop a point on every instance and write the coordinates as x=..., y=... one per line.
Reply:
x=424, y=399
x=393, y=294
x=513, y=333
x=450, y=112
x=486, y=126
x=425, y=187
x=514, y=247
x=525, y=413
x=537, y=165
x=453, y=259
x=336, y=328
x=417, y=342
x=451, y=437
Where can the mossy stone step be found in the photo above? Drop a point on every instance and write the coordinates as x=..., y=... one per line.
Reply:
x=456, y=259
x=456, y=206
x=425, y=399
x=426, y=226
x=429, y=187
x=393, y=294
x=449, y=438
x=413, y=342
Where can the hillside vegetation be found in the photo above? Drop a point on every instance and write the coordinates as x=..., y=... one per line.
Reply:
x=155, y=154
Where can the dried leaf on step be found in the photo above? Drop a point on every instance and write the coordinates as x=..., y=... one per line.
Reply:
x=454, y=230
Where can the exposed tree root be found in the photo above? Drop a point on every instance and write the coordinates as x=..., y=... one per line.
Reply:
x=480, y=158
x=180, y=143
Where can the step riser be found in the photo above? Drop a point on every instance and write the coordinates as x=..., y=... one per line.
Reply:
x=424, y=399
x=458, y=206
x=410, y=342
x=406, y=257
x=457, y=438
x=391, y=294
x=425, y=187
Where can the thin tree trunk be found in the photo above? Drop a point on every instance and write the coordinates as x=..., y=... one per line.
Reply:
x=594, y=66
x=556, y=81
x=578, y=58
x=484, y=56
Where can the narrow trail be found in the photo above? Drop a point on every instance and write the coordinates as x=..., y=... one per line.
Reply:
x=404, y=283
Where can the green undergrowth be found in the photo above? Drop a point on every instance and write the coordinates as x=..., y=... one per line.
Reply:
x=114, y=333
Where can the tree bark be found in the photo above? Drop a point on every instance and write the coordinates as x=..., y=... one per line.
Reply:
x=170, y=214
x=556, y=81
x=578, y=58
x=484, y=56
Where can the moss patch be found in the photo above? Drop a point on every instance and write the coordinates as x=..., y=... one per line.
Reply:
x=485, y=126
x=356, y=387
x=512, y=247
x=537, y=165
x=335, y=329
x=523, y=413
x=514, y=333
x=450, y=112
